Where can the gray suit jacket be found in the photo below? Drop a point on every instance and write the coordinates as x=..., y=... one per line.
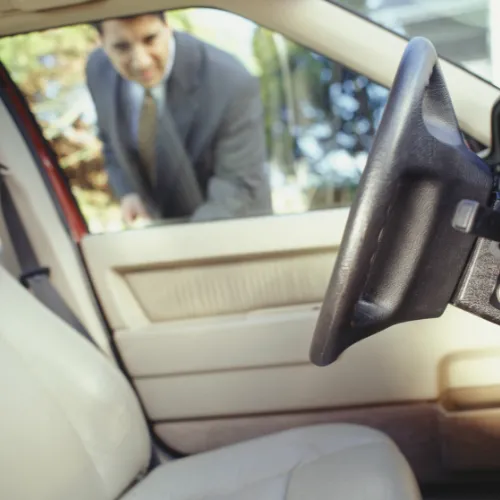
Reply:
x=211, y=158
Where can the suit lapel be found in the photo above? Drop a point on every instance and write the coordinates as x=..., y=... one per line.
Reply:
x=184, y=84
x=190, y=95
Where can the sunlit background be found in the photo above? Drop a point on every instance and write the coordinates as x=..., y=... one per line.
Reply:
x=319, y=117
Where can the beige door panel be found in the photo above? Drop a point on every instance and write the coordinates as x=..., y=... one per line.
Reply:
x=228, y=312
x=219, y=344
x=232, y=286
x=213, y=322
x=244, y=377
x=471, y=380
x=432, y=386
x=201, y=270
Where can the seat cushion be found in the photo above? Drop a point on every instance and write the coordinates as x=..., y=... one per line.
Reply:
x=326, y=461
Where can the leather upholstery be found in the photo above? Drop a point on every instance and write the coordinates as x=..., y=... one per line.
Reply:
x=314, y=463
x=71, y=427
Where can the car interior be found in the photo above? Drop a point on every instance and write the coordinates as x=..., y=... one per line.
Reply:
x=347, y=353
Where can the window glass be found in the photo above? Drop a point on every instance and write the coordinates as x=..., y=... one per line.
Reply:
x=466, y=32
x=268, y=128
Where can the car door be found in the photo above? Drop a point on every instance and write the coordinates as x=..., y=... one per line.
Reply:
x=213, y=321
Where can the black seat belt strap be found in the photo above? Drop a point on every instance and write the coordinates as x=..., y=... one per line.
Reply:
x=37, y=278
x=34, y=276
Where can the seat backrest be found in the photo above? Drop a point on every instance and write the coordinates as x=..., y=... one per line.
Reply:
x=70, y=424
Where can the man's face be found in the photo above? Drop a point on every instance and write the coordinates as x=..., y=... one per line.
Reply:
x=137, y=47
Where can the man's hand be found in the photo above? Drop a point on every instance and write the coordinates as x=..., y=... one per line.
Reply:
x=133, y=209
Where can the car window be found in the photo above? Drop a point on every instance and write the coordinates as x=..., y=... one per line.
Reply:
x=273, y=128
x=465, y=32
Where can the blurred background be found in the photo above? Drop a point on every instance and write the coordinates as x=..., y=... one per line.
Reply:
x=320, y=117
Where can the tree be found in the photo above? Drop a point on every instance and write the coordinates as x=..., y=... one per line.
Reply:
x=279, y=140
x=314, y=109
x=44, y=64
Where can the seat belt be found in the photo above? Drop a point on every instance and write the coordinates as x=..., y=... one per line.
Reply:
x=34, y=276
x=37, y=278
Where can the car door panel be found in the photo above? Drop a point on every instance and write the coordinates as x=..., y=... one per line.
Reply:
x=201, y=270
x=399, y=365
x=213, y=323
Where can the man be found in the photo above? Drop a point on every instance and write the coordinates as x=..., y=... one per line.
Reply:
x=180, y=121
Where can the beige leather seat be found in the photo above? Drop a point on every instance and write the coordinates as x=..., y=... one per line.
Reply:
x=71, y=428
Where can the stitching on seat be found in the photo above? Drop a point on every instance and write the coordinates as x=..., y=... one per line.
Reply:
x=389, y=444
x=313, y=456
x=288, y=479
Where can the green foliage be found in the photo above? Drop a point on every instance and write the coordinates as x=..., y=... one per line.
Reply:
x=58, y=54
x=181, y=20
x=279, y=140
x=47, y=64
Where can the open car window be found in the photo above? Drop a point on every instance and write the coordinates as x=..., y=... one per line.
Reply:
x=312, y=137
x=317, y=123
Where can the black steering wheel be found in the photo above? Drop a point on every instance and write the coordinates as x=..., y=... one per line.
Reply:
x=400, y=258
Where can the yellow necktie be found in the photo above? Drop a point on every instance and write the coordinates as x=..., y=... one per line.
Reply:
x=147, y=135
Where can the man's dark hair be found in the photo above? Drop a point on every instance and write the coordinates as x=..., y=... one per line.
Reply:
x=158, y=13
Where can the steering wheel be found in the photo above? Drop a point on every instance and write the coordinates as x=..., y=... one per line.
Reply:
x=400, y=259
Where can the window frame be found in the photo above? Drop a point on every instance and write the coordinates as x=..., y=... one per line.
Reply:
x=406, y=39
